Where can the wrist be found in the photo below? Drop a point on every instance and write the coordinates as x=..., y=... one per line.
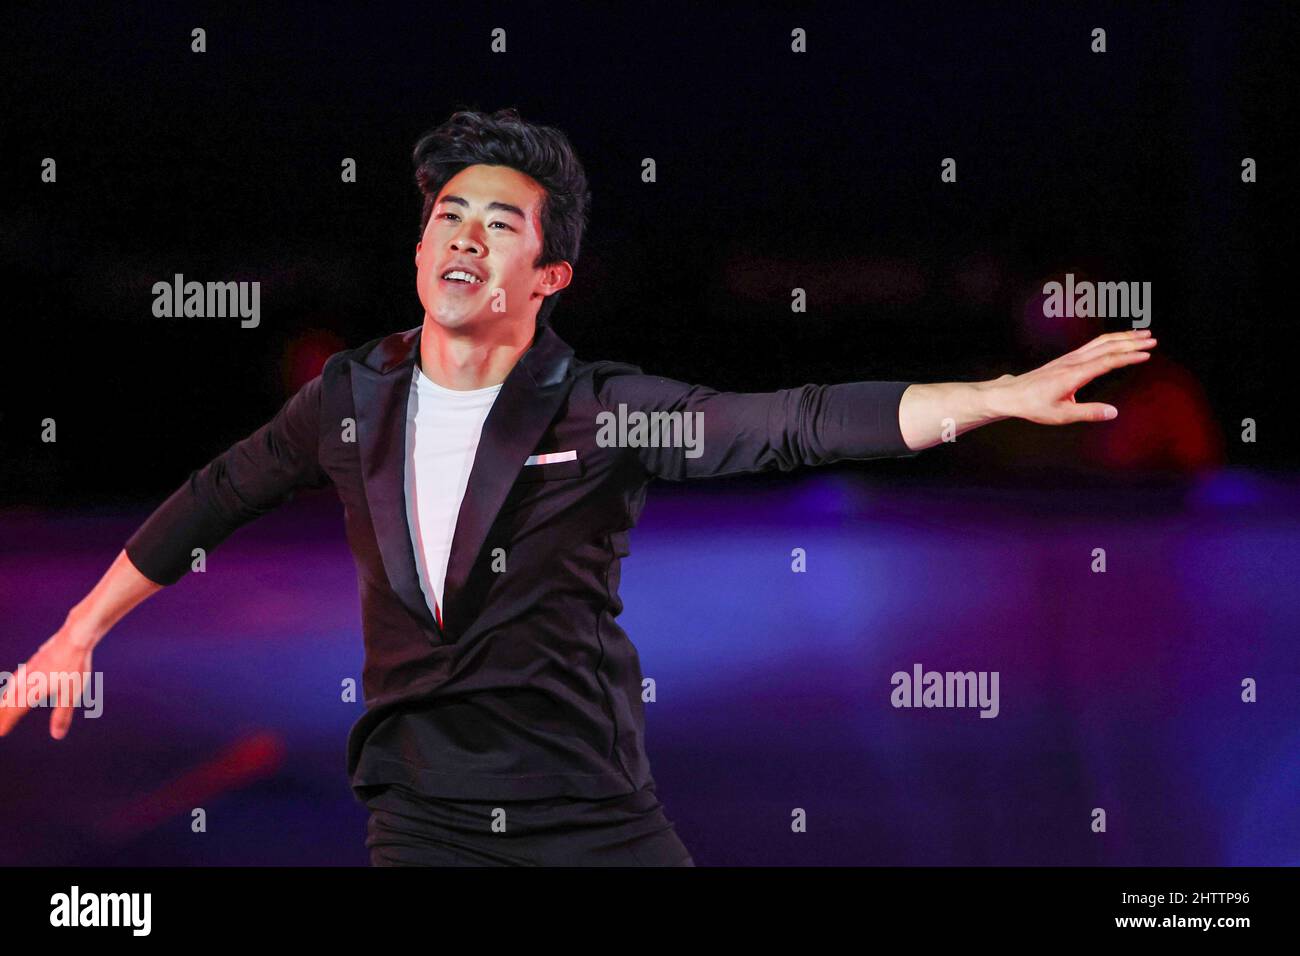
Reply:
x=84, y=627
x=994, y=399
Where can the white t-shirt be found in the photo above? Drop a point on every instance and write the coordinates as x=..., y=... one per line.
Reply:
x=442, y=433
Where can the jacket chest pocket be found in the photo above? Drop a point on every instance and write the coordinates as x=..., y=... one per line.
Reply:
x=550, y=471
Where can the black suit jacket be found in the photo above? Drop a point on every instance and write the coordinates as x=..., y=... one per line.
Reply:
x=530, y=689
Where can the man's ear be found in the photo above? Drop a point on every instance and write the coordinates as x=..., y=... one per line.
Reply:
x=417, y=252
x=555, y=277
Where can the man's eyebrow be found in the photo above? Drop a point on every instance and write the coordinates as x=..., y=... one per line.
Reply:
x=503, y=206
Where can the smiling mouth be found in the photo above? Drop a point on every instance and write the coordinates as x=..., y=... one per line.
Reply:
x=457, y=277
x=454, y=287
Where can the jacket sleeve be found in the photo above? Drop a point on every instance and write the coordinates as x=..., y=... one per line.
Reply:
x=735, y=432
x=247, y=480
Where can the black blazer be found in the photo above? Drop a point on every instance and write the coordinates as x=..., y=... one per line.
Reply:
x=530, y=689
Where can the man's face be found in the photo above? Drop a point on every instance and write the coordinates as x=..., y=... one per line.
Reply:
x=485, y=222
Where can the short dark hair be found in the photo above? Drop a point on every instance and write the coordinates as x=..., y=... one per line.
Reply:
x=470, y=137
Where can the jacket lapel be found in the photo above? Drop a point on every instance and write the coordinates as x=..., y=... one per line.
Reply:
x=528, y=400
x=381, y=385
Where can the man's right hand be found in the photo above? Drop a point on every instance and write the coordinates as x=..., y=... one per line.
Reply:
x=67, y=652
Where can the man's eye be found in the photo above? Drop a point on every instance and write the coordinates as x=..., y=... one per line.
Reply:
x=452, y=215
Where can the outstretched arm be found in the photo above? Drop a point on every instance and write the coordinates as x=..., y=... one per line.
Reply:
x=724, y=433
x=247, y=480
x=1044, y=395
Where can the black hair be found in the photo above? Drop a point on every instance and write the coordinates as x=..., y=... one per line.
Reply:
x=502, y=138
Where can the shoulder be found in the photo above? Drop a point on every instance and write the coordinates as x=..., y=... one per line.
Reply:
x=601, y=370
x=602, y=377
x=379, y=353
x=613, y=383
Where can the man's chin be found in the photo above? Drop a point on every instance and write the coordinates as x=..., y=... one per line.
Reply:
x=455, y=321
x=472, y=321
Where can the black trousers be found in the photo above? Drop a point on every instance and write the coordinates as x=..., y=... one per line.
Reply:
x=407, y=828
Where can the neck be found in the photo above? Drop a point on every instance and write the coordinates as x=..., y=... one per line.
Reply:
x=468, y=360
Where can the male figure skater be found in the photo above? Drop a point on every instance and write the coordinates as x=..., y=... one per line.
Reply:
x=489, y=480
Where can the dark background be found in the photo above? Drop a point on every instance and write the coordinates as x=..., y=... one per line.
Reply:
x=775, y=170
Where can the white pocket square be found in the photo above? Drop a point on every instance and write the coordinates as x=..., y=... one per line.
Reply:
x=551, y=457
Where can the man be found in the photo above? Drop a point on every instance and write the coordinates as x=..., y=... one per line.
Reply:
x=489, y=480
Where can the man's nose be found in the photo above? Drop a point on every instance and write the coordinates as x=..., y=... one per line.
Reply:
x=467, y=244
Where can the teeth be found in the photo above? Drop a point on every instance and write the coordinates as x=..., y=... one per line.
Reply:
x=459, y=274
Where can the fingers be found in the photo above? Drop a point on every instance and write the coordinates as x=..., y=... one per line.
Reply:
x=1076, y=369
x=1104, y=345
x=60, y=722
x=62, y=718
x=1102, y=362
x=1128, y=335
x=1114, y=342
x=13, y=703
x=47, y=679
x=1093, y=412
